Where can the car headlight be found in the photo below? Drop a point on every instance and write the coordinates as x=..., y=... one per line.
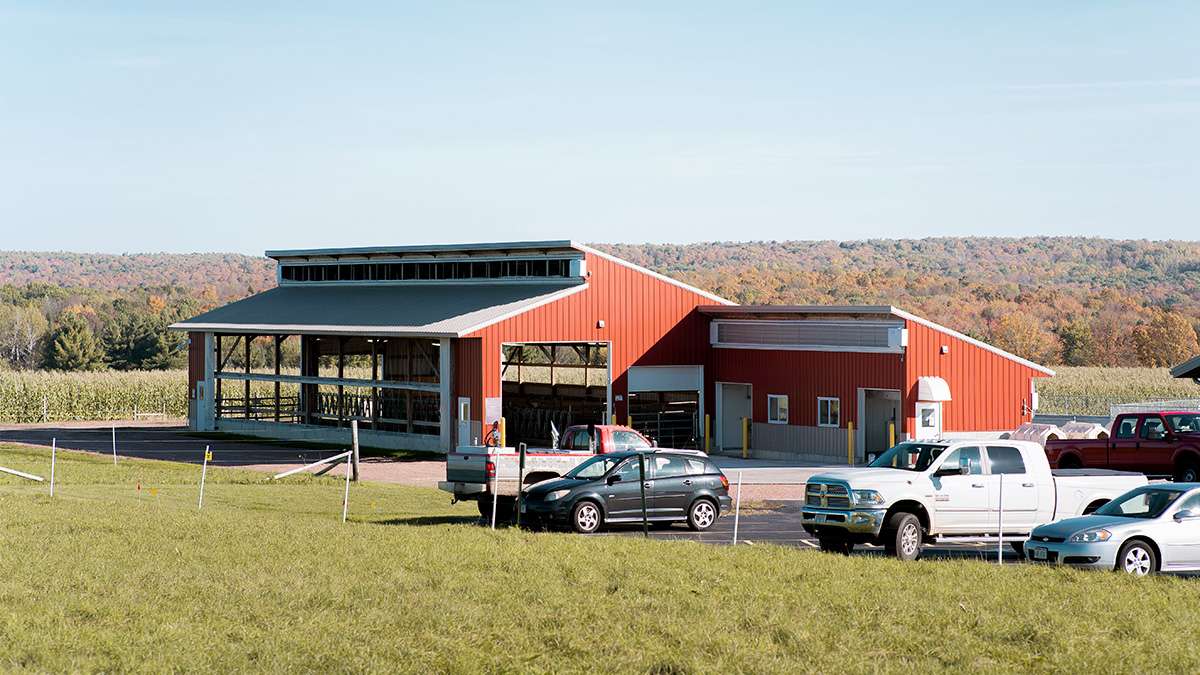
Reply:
x=557, y=494
x=867, y=498
x=1089, y=536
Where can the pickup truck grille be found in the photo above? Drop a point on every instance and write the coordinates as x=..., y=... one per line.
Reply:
x=827, y=495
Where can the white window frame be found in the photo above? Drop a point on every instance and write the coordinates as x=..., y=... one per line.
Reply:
x=786, y=409
x=829, y=399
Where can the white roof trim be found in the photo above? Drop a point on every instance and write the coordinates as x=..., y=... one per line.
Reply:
x=546, y=299
x=310, y=329
x=656, y=275
x=968, y=339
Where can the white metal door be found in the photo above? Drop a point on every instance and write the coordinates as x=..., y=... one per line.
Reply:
x=734, y=402
x=464, y=421
x=929, y=420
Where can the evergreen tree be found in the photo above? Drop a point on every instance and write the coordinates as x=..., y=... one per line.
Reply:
x=73, y=346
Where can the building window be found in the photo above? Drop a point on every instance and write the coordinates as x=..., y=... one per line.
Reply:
x=829, y=412
x=777, y=408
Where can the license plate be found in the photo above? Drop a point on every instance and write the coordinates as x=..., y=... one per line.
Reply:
x=1040, y=553
x=819, y=517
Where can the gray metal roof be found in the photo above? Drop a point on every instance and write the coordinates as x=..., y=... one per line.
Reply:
x=1189, y=368
x=434, y=310
x=428, y=249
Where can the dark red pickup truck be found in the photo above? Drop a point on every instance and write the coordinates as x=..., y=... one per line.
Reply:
x=1153, y=443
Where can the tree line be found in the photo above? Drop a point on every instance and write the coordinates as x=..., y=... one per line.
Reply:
x=81, y=329
x=1054, y=300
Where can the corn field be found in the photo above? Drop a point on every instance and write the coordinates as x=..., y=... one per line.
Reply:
x=51, y=396
x=1090, y=390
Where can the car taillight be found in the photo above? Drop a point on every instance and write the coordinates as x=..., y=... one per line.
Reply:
x=724, y=481
x=491, y=469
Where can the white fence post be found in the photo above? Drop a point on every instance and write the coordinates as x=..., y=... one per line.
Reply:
x=53, y=457
x=203, y=475
x=354, y=447
x=346, y=496
x=737, y=508
x=114, y=439
x=495, y=494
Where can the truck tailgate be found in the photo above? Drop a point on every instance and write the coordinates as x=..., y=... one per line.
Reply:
x=467, y=465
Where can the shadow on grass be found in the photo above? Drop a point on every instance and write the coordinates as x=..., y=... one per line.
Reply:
x=432, y=520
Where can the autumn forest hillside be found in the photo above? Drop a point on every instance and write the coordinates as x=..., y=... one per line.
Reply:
x=1075, y=301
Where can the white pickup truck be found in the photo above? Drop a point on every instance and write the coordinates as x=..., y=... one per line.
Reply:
x=923, y=491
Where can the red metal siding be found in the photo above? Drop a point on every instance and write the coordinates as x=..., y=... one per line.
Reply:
x=990, y=392
x=468, y=373
x=806, y=375
x=648, y=321
x=195, y=362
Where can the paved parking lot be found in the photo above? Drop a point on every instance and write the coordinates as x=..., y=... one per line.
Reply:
x=782, y=526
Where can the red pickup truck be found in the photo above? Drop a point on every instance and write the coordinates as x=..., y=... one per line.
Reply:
x=1154, y=443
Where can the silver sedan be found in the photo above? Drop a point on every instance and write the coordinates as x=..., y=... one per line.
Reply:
x=1153, y=528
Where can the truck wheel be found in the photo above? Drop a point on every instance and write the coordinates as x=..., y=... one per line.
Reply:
x=1070, y=462
x=702, y=515
x=904, y=534
x=1019, y=547
x=836, y=545
x=1187, y=471
x=585, y=517
x=1137, y=558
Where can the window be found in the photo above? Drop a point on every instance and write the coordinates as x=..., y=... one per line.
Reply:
x=580, y=440
x=1006, y=460
x=628, y=440
x=928, y=418
x=696, y=467
x=1184, y=424
x=631, y=472
x=777, y=408
x=1153, y=429
x=829, y=412
x=973, y=460
x=1191, y=503
x=1127, y=428
x=665, y=466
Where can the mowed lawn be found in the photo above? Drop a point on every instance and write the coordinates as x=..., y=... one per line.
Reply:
x=266, y=577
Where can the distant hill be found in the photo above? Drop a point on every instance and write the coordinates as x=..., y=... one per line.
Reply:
x=226, y=274
x=1081, y=301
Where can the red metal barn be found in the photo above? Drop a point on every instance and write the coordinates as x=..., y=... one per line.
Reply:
x=804, y=374
x=427, y=346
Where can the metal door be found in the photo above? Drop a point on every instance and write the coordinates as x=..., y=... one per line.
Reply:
x=929, y=420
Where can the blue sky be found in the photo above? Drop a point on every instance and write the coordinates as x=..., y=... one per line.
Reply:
x=167, y=126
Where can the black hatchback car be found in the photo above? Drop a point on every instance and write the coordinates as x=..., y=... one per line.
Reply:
x=680, y=487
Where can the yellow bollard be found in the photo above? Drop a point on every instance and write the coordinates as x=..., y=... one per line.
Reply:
x=850, y=443
x=503, y=434
x=629, y=418
x=745, y=438
x=891, y=433
x=707, y=434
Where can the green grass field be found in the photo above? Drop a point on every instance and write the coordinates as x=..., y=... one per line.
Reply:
x=105, y=577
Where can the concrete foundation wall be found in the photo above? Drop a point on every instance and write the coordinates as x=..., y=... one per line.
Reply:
x=320, y=434
x=790, y=441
